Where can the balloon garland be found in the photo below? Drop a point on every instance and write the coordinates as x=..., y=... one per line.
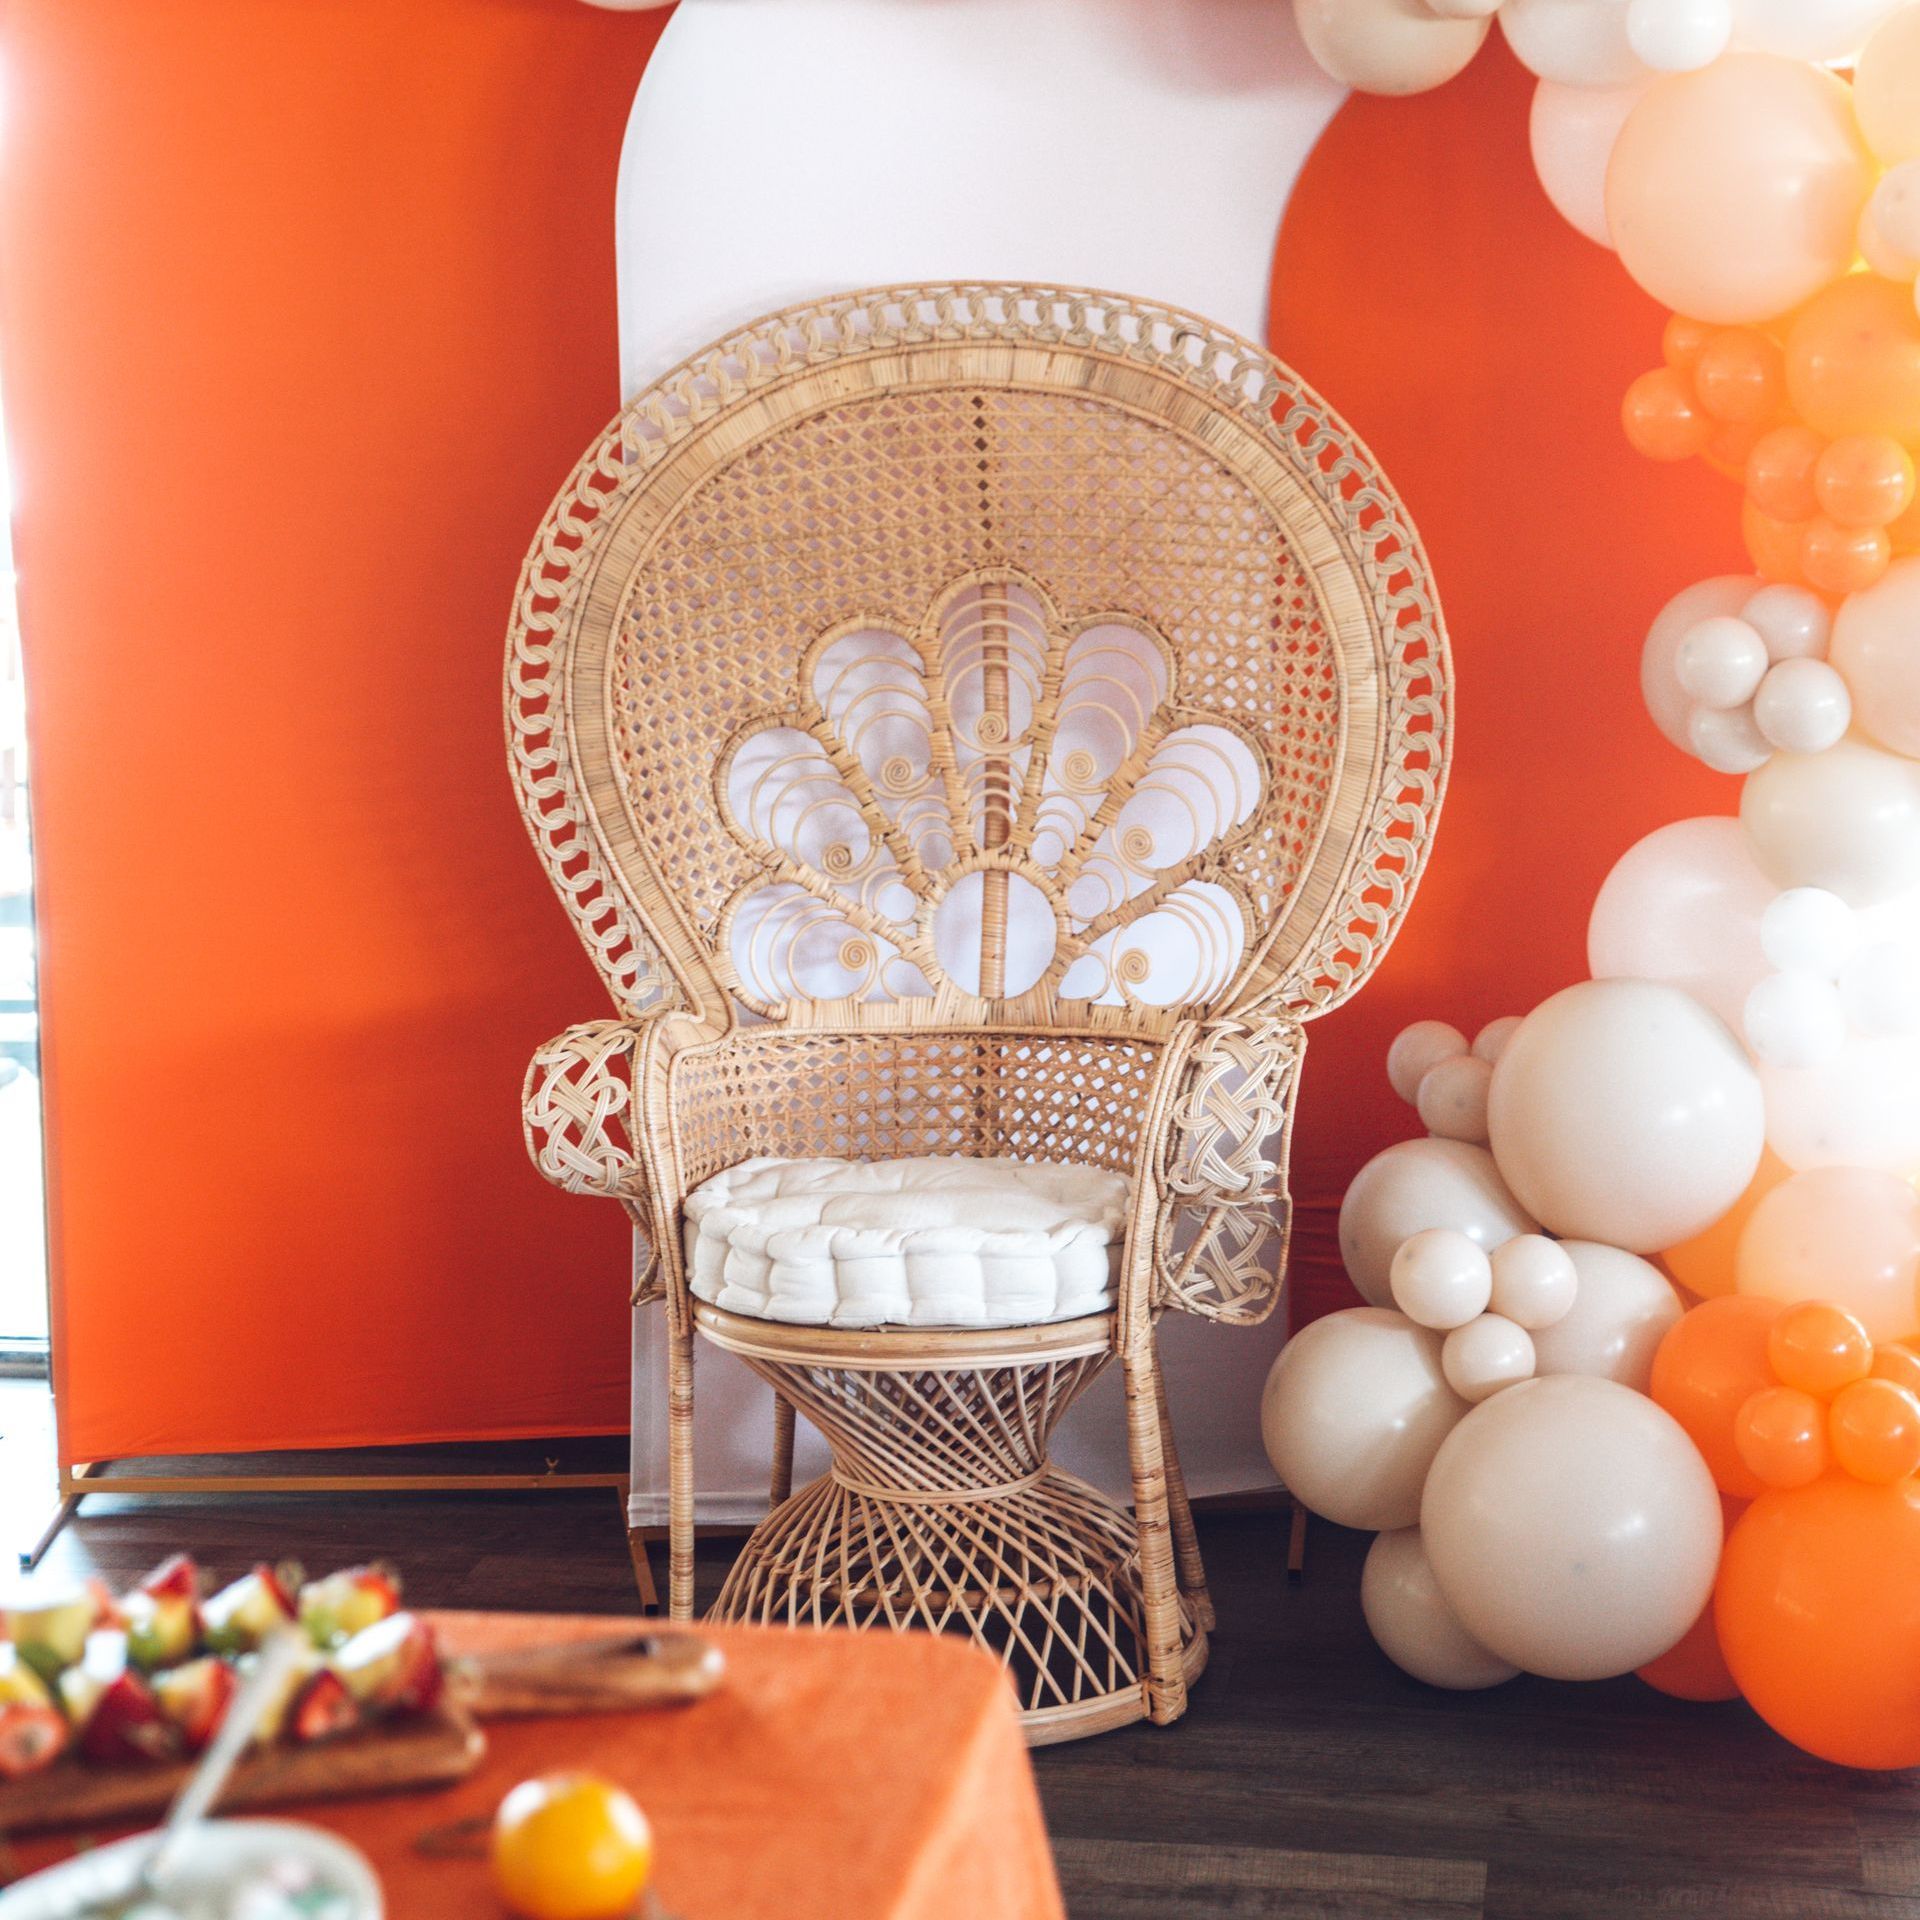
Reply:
x=1637, y=1383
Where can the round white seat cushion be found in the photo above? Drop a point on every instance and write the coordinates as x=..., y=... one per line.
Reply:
x=938, y=1241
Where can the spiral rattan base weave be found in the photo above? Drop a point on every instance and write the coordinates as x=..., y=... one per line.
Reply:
x=942, y=1512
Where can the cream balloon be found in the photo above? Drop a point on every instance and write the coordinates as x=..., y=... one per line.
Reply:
x=1417, y=1050
x=1579, y=43
x=1572, y=1527
x=1847, y=820
x=1727, y=740
x=1388, y=46
x=1733, y=193
x=1880, y=987
x=1453, y=1098
x=1623, y=1111
x=1486, y=1356
x=1417, y=1184
x=1721, y=662
x=1894, y=212
x=1534, y=1281
x=1850, y=1235
x=1667, y=701
x=1441, y=1279
x=1876, y=648
x=1571, y=131
x=1887, y=260
x=1808, y=930
x=1684, y=906
x=1413, y=1626
x=1795, y=1020
x=1793, y=621
x=1676, y=36
x=1859, y=1109
x=1828, y=31
x=1464, y=9
x=1491, y=1041
x=1802, y=706
x=1623, y=1307
x=1354, y=1409
x=1886, y=87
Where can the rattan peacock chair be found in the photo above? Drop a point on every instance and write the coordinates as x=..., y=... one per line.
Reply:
x=973, y=727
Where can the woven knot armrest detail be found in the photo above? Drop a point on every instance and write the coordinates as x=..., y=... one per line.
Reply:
x=578, y=1109
x=1223, y=1170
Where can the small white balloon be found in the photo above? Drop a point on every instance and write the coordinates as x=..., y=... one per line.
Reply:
x=1580, y=43
x=1880, y=988
x=1808, y=930
x=1491, y=1041
x=1894, y=209
x=1830, y=32
x=1721, y=661
x=1795, y=1020
x=1861, y=1109
x=1416, y=1184
x=1570, y=133
x=1354, y=1409
x=1726, y=739
x=1486, y=1356
x=1417, y=1050
x=1453, y=1098
x=1667, y=701
x=1793, y=621
x=1535, y=1281
x=1847, y=820
x=1802, y=706
x=1623, y=1307
x=1387, y=46
x=1412, y=1623
x=1441, y=1279
x=1679, y=36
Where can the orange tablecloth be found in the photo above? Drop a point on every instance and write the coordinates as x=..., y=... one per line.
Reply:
x=835, y=1776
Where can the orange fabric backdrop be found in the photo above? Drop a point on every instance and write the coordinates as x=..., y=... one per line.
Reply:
x=306, y=310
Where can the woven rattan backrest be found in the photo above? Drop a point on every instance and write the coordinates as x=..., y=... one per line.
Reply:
x=976, y=655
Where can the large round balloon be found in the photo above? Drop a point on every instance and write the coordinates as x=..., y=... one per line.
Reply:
x=1624, y=1112
x=1684, y=905
x=1623, y=1307
x=1706, y=1264
x=1354, y=1410
x=1829, y=31
x=1818, y=1606
x=1734, y=192
x=1708, y=1367
x=1580, y=43
x=1571, y=131
x=1886, y=88
x=1694, y=1668
x=1860, y=1109
x=1572, y=1527
x=1853, y=360
x=1847, y=820
x=1876, y=646
x=1414, y=1185
x=1411, y=1621
x=1667, y=700
x=1387, y=46
x=1850, y=1235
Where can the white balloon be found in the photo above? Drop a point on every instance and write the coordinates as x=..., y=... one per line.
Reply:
x=1880, y=988
x=1847, y=820
x=1623, y=1307
x=1667, y=701
x=1571, y=131
x=1413, y=1625
x=1453, y=1098
x=1491, y=1041
x=1808, y=930
x=1464, y=9
x=1721, y=661
x=1572, y=1527
x=1830, y=31
x=1793, y=621
x=1887, y=260
x=1795, y=1020
x=1354, y=1410
x=1416, y=1184
x=1623, y=1111
x=1441, y=1279
x=1861, y=1109
x=1417, y=1050
x=1802, y=706
x=1726, y=739
x=1486, y=1356
x=1684, y=906
x=1387, y=46
x=1678, y=36
x=1534, y=1281
x=1580, y=43
x=1894, y=210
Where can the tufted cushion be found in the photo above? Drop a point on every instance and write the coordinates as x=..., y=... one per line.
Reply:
x=939, y=1241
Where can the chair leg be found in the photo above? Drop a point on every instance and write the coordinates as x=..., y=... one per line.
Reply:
x=1186, y=1542
x=680, y=1473
x=1159, y=1584
x=782, y=1487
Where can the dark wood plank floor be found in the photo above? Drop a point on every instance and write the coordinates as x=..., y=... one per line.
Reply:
x=1309, y=1778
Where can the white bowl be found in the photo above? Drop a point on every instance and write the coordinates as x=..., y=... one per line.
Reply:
x=222, y=1857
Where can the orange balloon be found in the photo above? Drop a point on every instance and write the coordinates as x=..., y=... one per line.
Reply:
x=1705, y=1264
x=1904, y=532
x=1873, y=1428
x=1695, y=1668
x=1818, y=1348
x=1774, y=544
x=1740, y=375
x=1682, y=341
x=1662, y=418
x=1895, y=1361
x=1730, y=445
x=1780, y=473
x=1818, y=1609
x=1839, y=559
x=1853, y=359
x=1864, y=480
x=1782, y=1436
x=1711, y=1363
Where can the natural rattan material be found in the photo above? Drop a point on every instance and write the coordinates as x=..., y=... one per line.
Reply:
x=981, y=720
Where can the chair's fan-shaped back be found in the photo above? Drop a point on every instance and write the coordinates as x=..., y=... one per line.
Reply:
x=980, y=653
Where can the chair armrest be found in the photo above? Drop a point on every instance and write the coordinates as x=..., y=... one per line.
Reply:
x=1222, y=1170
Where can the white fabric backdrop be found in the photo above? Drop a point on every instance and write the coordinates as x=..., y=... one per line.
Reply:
x=781, y=149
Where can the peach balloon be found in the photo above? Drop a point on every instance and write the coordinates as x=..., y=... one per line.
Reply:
x=1733, y=193
x=1839, y=559
x=1706, y=1264
x=1662, y=419
x=1873, y=1431
x=1780, y=473
x=1846, y=1234
x=1853, y=359
x=1694, y=1668
x=1708, y=1367
x=1782, y=1436
x=1774, y=546
x=1740, y=375
x=1896, y=1361
x=1864, y=480
x=1876, y=647
x=1886, y=88
x=1818, y=1348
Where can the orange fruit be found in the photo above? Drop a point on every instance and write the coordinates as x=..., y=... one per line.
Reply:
x=571, y=1846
